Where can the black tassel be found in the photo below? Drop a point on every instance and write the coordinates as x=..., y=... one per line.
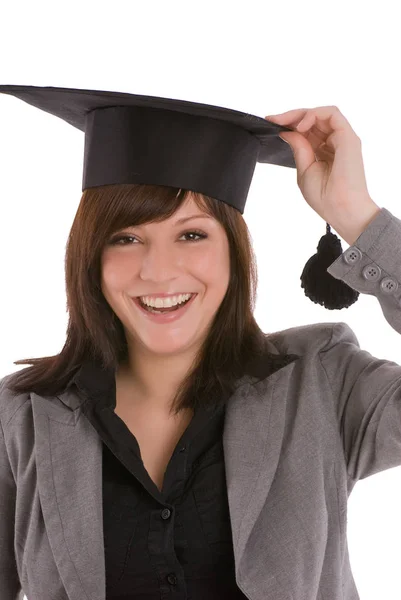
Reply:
x=321, y=287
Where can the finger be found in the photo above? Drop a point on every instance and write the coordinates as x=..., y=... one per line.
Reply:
x=309, y=130
x=316, y=133
x=292, y=118
x=289, y=118
x=311, y=122
x=291, y=114
x=315, y=141
x=329, y=118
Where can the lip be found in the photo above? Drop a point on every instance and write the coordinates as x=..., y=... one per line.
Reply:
x=166, y=317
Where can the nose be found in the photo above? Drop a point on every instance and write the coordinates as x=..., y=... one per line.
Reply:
x=160, y=263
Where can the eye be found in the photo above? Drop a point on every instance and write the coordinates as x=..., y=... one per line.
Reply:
x=115, y=241
x=199, y=234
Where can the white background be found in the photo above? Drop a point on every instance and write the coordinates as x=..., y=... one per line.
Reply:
x=261, y=59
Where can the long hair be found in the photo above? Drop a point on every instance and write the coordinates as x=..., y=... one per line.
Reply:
x=94, y=331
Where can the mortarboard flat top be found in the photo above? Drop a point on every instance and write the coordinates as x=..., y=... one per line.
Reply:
x=131, y=138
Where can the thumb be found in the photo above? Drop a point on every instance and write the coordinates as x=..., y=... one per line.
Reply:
x=303, y=152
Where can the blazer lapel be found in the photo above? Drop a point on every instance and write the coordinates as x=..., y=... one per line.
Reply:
x=252, y=441
x=69, y=466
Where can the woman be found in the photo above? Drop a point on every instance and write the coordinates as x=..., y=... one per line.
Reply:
x=184, y=451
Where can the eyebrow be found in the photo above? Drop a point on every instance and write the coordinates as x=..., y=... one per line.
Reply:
x=192, y=217
x=183, y=219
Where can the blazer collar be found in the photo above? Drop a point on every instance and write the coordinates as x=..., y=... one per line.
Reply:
x=91, y=377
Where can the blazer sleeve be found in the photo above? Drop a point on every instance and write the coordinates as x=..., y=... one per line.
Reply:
x=366, y=389
x=367, y=396
x=10, y=586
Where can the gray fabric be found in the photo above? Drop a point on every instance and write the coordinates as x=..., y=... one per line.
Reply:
x=295, y=444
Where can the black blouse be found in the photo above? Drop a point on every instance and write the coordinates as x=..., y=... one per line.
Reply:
x=174, y=544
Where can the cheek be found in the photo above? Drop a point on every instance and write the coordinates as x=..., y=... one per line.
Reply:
x=213, y=260
x=115, y=272
x=212, y=269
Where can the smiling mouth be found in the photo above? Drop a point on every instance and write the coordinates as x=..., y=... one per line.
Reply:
x=162, y=310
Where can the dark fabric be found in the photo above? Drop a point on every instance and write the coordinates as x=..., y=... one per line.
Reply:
x=175, y=544
x=134, y=138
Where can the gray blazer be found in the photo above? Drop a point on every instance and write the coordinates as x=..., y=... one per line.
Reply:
x=295, y=444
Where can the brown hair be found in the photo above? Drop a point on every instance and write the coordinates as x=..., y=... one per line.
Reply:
x=95, y=332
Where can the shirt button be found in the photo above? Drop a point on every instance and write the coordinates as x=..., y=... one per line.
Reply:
x=171, y=578
x=166, y=513
x=183, y=449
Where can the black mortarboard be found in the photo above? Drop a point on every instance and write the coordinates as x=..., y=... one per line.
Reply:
x=131, y=138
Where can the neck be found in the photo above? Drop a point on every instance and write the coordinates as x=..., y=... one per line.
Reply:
x=151, y=380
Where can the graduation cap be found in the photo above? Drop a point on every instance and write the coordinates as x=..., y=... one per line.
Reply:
x=132, y=138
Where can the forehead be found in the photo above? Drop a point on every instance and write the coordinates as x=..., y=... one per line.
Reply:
x=189, y=207
x=189, y=201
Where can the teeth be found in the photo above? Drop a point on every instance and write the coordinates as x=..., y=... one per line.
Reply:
x=165, y=302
